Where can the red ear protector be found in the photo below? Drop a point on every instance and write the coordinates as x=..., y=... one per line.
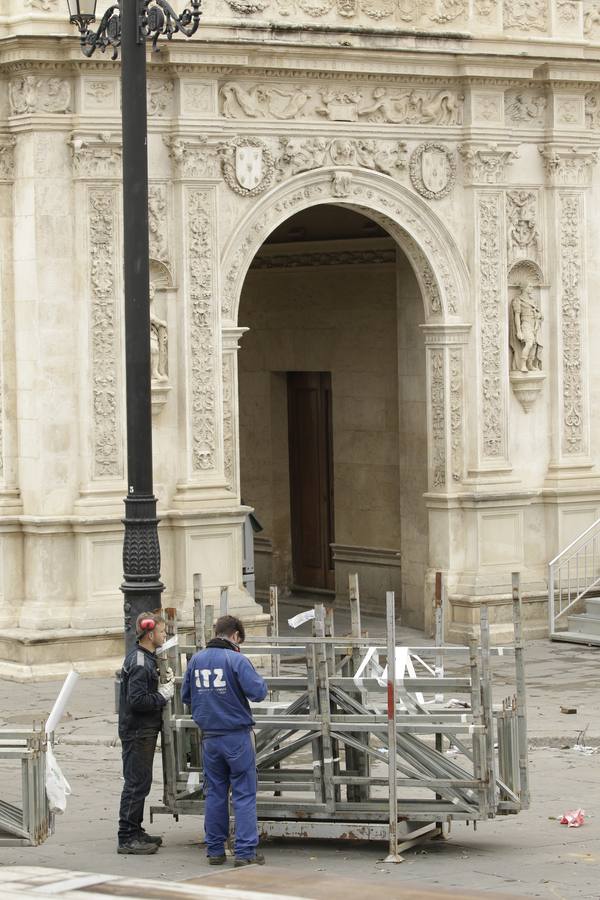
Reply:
x=147, y=625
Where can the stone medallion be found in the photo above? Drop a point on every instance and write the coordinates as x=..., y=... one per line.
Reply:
x=432, y=170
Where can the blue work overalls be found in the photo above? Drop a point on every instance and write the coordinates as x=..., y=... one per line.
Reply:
x=217, y=685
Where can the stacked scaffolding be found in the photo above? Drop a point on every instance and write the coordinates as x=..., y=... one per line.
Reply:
x=30, y=823
x=363, y=739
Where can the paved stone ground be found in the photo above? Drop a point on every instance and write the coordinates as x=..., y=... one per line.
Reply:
x=530, y=854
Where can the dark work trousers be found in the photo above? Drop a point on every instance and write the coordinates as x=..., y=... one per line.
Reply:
x=138, y=758
x=230, y=761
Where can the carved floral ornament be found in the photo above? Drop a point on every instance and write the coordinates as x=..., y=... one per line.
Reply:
x=439, y=12
x=568, y=166
x=487, y=163
x=96, y=156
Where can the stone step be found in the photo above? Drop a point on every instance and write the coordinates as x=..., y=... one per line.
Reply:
x=576, y=637
x=585, y=624
x=592, y=606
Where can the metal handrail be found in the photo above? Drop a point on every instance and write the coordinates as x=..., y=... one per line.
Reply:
x=575, y=585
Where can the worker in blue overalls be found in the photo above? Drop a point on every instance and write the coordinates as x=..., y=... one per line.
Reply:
x=217, y=685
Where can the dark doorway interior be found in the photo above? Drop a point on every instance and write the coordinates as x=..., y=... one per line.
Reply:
x=310, y=433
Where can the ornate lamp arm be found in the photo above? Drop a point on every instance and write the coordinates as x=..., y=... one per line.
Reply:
x=155, y=18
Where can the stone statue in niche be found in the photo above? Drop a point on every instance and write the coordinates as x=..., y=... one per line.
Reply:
x=524, y=331
x=158, y=342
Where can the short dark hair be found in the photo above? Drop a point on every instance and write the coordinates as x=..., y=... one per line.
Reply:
x=228, y=625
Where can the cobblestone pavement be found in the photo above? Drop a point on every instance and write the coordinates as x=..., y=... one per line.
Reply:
x=530, y=854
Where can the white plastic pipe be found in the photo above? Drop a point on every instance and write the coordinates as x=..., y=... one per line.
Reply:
x=63, y=698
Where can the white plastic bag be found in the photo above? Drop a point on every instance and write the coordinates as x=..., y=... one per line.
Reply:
x=57, y=786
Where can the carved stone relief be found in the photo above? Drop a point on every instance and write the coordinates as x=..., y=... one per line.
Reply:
x=485, y=8
x=96, y=156
x=572, y=318
x=522, y=234
x=591, y=18
x=159, y=341
x=568, y=166
x=197, y=158
x=7, y=157
x=568, y=10
x=526, y=15
x=248, y=166
x=379, y=104
x=432, y=170
x=592, y=109
x=569, y=111
x=101, y=93
x=33, y=94
x=228, y=437
x=447, y=10
x=438, y=418
x=158, y=218
x=44, y=5
x=491, y=259
x=200, y=226
x=456, y=414
x=525, y=108
x=298, y=155
x=107, y=461
x=247, y=7
x=160, y=96
x=486, y=163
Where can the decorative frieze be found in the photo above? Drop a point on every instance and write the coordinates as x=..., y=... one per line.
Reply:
x=44, y=5
x=572, y=320
x=301, y=155
x=7, y=157
x=568, y=166
x=106, y=426
x=411, y=106
x=36, y=94
x=491, y=337
x=432, y=170
x=592, y=110
x=96, y=156
x=101, y=93
x=200, y=226
x=486, y=163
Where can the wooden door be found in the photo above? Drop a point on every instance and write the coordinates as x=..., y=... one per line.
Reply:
x=311, y=478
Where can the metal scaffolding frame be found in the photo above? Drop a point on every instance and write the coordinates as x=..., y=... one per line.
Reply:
x=30, y=824
x=341, y=708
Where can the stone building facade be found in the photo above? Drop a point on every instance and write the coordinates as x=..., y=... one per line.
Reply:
x=398, y=197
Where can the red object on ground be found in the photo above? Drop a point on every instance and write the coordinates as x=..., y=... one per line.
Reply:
x=573, y=819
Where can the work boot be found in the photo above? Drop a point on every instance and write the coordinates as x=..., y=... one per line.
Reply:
x=217, y=860
x=150, y=838
x=137, y=847
x=257, y=860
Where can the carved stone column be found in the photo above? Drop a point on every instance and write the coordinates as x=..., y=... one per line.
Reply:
x=445, y=348
x=568, y=172
x=231, y=443
x=97, y=173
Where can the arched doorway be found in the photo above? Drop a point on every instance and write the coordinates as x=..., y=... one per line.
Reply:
x=333, y=410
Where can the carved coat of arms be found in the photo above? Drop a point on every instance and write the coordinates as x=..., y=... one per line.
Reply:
x=247, y=166
x=432, y=170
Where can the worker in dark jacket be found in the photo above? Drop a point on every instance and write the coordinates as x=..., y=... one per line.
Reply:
x=217, y=685
x=141, y=702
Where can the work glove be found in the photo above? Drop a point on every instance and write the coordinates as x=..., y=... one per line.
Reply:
x=167, y=690
x=169, y=674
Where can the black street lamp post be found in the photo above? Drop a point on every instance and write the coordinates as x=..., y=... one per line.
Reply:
x=129, y=24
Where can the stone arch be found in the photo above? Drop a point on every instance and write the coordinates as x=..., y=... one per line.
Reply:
x=434, y=255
